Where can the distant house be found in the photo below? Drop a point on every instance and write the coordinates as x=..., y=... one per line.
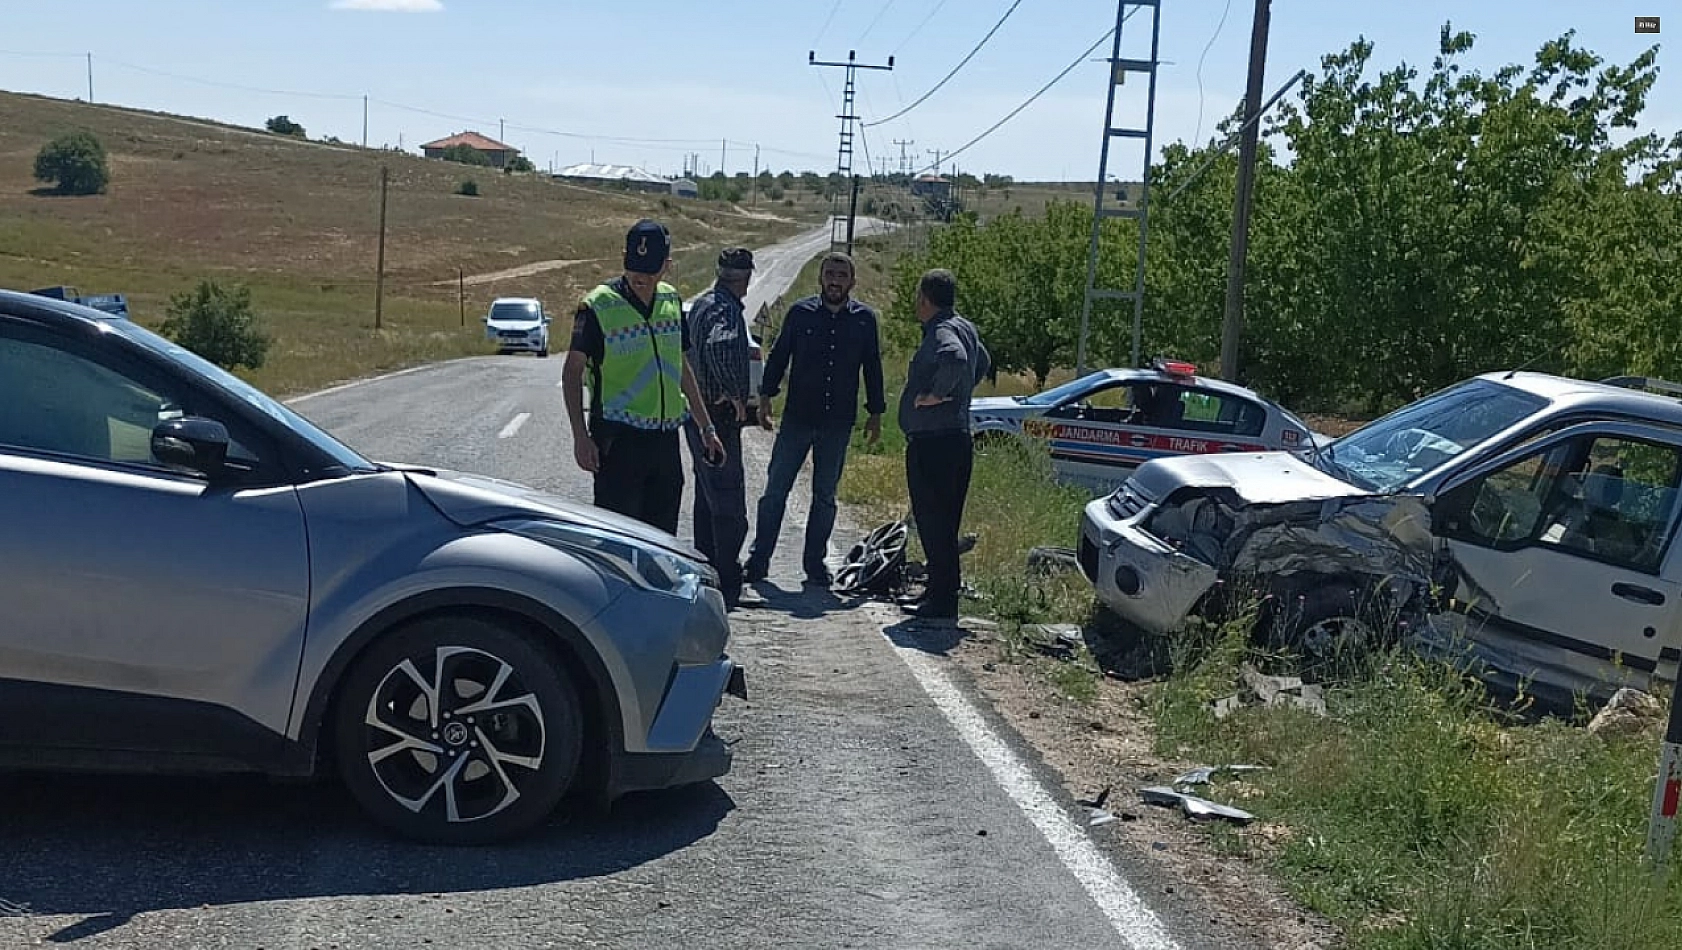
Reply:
x=624, y=176
x=684, y=188
x=498, y=154
x=933, y=186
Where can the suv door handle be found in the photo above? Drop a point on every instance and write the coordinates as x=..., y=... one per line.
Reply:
x=1639, y=594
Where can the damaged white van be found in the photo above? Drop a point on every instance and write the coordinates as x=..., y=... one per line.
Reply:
x=1519, y=521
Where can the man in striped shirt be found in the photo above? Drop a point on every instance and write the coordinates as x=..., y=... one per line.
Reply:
x=719, y=353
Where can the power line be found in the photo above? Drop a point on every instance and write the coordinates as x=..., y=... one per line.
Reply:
x=872, y=26
x=38, y=53
x=230, y=85
x=659, y=144
x=826, y=21
x=1210, y=45
x=919, y=27
x=1030, y=101
x=955, y=69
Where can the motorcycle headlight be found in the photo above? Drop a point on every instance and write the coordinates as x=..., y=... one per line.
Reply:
x=642, y=566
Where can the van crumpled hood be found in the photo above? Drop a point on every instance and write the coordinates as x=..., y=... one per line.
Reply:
x=469, y=499
x=1257, y=478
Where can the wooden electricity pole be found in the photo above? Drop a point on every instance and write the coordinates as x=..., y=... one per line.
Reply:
x=379, y=275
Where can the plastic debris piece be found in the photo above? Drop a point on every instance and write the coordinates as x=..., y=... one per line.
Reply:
x=1198, y=809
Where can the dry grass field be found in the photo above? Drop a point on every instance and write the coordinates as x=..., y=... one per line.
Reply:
x=298, y=222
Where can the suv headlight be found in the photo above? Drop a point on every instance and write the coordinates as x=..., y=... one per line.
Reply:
x=642, y=566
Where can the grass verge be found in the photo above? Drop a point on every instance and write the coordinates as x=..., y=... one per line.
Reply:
x=1416, y=820
x=1412, y=816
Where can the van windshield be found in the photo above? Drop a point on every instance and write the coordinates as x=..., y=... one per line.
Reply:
x=515, y=313
x=1386, y=454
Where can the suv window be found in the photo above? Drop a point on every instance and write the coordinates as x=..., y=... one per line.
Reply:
x=57, y=402
x=1606, y=497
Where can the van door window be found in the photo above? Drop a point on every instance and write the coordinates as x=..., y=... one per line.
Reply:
x=1606, y=497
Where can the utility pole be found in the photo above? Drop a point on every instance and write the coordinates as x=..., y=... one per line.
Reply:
x=501, y=129
x=1119, y=68
x=90, y=79
x=755, y=185
x=937, y=153
x=379, y=278
x=723, y=153
x=852, y=212
x=1232, y=323
x=364, y=121
x=844, y=157
x=904, y=159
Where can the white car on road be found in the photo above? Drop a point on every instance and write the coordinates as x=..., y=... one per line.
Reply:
x=1105, y=424
x=518, y=324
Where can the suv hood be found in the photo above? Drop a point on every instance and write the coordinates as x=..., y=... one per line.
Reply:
x=1258, y=478
x=475, y=499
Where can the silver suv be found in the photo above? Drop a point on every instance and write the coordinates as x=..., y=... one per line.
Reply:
x=1522, y=521
x=196, y=577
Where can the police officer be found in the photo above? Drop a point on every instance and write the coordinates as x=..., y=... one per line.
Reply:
x=631, y=335
x=718, y=325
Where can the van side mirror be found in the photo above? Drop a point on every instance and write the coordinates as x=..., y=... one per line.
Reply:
x=192, y=443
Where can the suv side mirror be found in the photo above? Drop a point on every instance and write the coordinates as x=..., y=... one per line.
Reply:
x=192, y=443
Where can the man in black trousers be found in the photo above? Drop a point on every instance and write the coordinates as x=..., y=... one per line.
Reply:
x=718, y=328
x=934, y=415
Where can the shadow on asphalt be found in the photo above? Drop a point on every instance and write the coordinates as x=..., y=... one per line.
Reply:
x=111, y=847
x=800, y=602
x=930, y=636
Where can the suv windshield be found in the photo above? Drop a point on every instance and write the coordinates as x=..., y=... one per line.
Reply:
x=1052, y=397
x=516, y=312
x=1417, y=438
x=336, y=450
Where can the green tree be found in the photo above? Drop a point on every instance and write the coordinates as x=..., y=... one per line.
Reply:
x=464, y=154
x=1431, y=225
x=217, y=324
x=74, y=164
x=519, y=163
x=282, y=125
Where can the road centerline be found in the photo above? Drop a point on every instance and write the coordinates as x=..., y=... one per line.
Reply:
x=513, y=426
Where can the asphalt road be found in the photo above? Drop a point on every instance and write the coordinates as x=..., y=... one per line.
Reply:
x=863, y=810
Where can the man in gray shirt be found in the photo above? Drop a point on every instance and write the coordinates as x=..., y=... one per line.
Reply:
x=934, y=415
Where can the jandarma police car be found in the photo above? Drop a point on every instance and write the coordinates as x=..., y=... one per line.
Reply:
x=1105, y=424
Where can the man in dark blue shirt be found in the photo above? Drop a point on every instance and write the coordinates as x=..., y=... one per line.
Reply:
x=827, y=342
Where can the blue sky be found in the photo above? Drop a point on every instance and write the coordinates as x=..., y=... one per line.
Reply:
x=689, y=74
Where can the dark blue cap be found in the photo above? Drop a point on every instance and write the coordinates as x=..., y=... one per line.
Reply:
x=647, y=247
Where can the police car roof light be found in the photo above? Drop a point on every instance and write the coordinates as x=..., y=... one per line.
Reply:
x=1175, y=367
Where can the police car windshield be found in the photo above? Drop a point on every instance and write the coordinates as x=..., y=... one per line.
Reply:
x=1052, y=397
x=1384, y=455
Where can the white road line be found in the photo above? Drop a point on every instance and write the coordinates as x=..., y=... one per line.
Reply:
x=1133, y=921
x=513, y=426
x=363, y=382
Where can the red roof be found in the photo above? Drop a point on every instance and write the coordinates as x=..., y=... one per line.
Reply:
x=473, y=140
